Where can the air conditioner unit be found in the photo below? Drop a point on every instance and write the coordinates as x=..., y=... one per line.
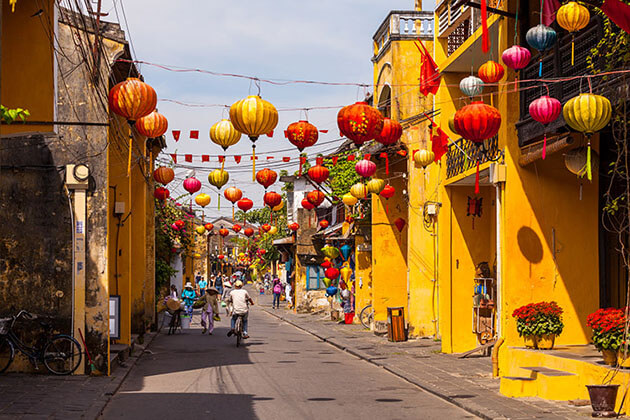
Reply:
x=77, y=176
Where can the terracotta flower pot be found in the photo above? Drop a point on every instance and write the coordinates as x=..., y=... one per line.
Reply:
x=610, y=357
x=530, y=341
x=545, y=341
x=603, y=399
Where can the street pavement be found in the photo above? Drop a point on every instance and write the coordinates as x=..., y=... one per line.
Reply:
x=280, y=373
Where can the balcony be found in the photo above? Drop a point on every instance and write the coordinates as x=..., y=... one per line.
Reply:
x=556, y=64
x=462, y=155
x=402, y=25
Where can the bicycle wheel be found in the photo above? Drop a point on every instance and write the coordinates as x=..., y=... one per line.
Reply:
x=239, y=330
x=366, y=316
x=7, y=353
x=62, y=355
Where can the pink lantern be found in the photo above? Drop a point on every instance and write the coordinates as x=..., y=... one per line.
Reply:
x=365, y=168
x=516, y=57
x=192, y=185
x=545, y=110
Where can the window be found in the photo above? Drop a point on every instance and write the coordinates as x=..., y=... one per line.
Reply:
x=314, y=277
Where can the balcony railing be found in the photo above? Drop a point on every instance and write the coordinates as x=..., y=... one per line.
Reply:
x=462, y=155
x=457, y=22
x=556, y=64
x=403, y=25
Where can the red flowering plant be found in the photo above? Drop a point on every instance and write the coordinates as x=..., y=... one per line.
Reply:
x=539, y=319
x=608, y=325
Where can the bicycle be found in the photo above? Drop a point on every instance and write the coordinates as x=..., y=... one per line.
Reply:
x=238, y=329
x=176, y=321
x=60, y=353
x=366, y=316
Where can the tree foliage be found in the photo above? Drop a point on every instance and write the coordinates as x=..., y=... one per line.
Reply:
x=342, y=175
x=9, y=115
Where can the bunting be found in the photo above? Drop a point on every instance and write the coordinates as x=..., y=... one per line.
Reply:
x=176, y=134
x=194, y=134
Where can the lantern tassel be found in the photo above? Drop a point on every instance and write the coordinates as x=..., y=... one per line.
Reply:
x=223, y=163
x=253, y=162
x=129, y=161
x=572, y=49
x=219, y=201
x=485, y=47
x=477, y=179
x=544, y=151
x=387, y=164
x=540, y=67
x=589, y=173
x=233, y=214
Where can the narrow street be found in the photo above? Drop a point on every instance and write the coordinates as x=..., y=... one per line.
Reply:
x=281, y=373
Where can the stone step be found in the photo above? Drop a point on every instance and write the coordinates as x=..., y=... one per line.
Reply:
x=543, y=382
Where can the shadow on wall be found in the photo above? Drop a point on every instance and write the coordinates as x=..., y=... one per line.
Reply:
x=530, y=246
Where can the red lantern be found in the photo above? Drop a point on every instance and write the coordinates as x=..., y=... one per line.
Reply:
x=221, y=257
x=388, y=192
x=248, y=232
x=153, y=125
x=324, y=224
x=236, y=228
x=400, y=224
x=326, y=264
x=307, y=204
x=209, y=226
x=245, y=204
x=192, y=185
x=315, y=197
x=180, y=223
x=391, y=132
x=302, y=134
x=161, y=193
x=272, y=199
x=266, y=227
x=491, y=72
x=163, y=175
x=318, y=174
x=332, y=273
x=477, y=122
x=224, y=232
x=360, y=122
x=266, y=177
x=132, y=99
x=294, y=227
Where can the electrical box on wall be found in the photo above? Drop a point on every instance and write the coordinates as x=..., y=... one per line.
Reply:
x=119, y=207
x=497, y=173
x=77, y=176
x=432, y=209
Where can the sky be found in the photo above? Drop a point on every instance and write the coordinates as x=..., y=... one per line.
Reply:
x=324, y=40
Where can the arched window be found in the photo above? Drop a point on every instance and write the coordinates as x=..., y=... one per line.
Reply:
x=385, y=101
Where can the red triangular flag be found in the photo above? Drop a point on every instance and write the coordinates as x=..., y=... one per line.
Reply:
x=188, y=158
x=269, y=157
x=319, y=160
x=429, y=75
x=286, y=134
x=439, y=143
x=618, y=12
x=335, y=159
x=237, y=159
x=176, y=134
x=194, y=134
x=323, y=131
x=174, y=157
x=350, y=158
x=252, y=158
x=205, y=158
x=286, y=159
x=221, y=159
x=270, y=134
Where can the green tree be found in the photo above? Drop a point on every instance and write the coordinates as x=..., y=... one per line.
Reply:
x=9, y=115
x=342, y=175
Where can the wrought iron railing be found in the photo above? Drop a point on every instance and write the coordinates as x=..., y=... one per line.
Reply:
x=462, y=155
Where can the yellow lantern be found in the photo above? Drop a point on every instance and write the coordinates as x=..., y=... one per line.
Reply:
x=345, y=272
x=200, y=229
x=587, y=113
x=349, y=199
x=279, y=206
x=359, y=191
x=202, y=199
x=573, y=17
x=197, y=255
x=375, y=185
x=224, y=134
x=424, y=158
x=218, y=178
x=273, y=230
x=254, y=117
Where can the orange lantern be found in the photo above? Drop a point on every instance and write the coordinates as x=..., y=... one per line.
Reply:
x=360, y=122
x=391, y=132
x=272, y=199
x=318, y=174
x=236, y=228
x=233, y=194
x=153, y=125
x=315, y=197
x=266, y=177
x=224, y=232
x=491, y=72
x=163, y=175
x=302, y=134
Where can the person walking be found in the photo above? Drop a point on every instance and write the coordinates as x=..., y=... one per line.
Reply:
x=210, y=309
x=203, y=284
x=218, y=284
x=189, y=296
x=277, y=291
x=287, y=295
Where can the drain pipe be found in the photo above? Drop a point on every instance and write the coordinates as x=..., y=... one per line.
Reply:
x=499, y=276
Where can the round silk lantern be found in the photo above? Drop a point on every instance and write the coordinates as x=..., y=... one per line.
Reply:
x=161, y=193
x=163, y=175
x=293, y=227
x=542, y=38
x=153, y=125
x=332, y=273
x=318, y=174
x=202, y=199
x=471, y=86
x=302, y=134
x=424, y=158
x=388, y=192
x=200, y=230
x=349, y=199
x=224, y=134
x=491, y=72
x=324, y=224
x=236, y=228
x=315, y=197
x=132, y=99
x=359, y=191
x=233, y=194
x=180, y=223
x=208, y=226
x=391, y=132
x=330, y=290
x=545, y=110
x=360, y=122
x=221, y=256
x=254, y=117
x=272, y=199
x=248, y=232
x=192, y=185
x=245, y=204
x=573, y=17
x=218, y=178
x=330, y=251
x=224, y=232
x=365, y=168
x=326, y=264
x=587, y=113
x=273, y=230
x=375, y=185
x=266, y=177
x=266, y=227
x=516, y=58
x=307, y=204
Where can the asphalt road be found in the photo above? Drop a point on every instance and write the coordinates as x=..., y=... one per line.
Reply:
x=280, y=373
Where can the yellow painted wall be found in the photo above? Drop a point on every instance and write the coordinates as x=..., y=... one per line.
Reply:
x=362, y=275
x=138, y=244
x=28, y=78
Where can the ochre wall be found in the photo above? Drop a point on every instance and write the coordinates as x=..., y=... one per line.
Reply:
x=362, y=275
x=28, y=75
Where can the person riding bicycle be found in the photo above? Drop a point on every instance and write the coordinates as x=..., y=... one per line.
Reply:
x=240, y=300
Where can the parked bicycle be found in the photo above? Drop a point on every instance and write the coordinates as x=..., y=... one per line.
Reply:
x=60, y=353
x=366, y=316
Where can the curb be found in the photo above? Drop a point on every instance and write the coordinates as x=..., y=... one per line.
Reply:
x=361, y=356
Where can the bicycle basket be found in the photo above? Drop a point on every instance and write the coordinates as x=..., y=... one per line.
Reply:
x=5, y=323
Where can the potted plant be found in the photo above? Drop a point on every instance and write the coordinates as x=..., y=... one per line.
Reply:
x=539, y=324
x=607, y=325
